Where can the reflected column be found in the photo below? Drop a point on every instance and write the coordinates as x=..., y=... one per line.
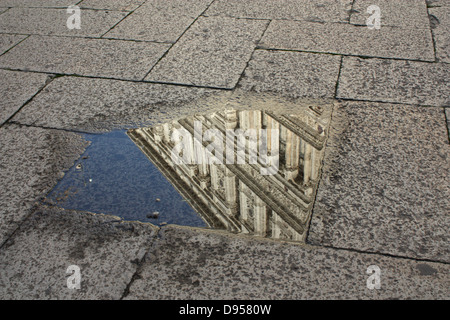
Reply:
x=292, y=155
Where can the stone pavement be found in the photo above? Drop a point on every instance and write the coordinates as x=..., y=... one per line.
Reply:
x=384, y=195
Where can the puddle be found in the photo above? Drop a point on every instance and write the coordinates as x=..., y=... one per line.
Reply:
x=245, y=171
x=114, y=177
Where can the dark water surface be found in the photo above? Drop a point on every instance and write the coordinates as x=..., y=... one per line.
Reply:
x=115, y=177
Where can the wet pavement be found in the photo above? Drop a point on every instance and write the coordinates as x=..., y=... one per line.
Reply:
x=360, y=178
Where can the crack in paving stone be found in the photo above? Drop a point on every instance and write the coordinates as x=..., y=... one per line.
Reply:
x=245, y=171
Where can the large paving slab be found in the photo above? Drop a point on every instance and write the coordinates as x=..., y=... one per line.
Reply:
x=348, y=39
x=394, y=81
x=123, y=5
x=440, y=24
x=101, y=104
x=32, y=161
x=296, y=74
x=197, y=264
x=213, y=52
x=34, y=261
x=45, y=21
x=401, y=13
x=88, y=57
x=7, y=41
x=322, y=10
x=385, y=183
x=38, y=3
x=161, y=20
x=16, y=88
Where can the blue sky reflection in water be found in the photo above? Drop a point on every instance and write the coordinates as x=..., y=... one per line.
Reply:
x=114, y=177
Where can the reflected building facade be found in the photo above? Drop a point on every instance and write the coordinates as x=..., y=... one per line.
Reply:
x=237, y=197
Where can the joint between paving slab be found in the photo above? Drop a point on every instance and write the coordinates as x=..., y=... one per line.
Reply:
x=391, y=102
x=121, y=39
x=351, y=11
x=431, y=5
x=32, y=125
x=84, y=37
x=27, y=36
x=126, y=16
x=297, y=51
x=181, y=35
x=49, y=80
x=242, y=18
x=392, y=26
x=338, y=77
x=140, y=264
x=98, y=9
x=280, y=19
x=345, y=55
x=447, y=123
x=383, y=254
x=319, y=21
x=185, y=85
x=433, y=40
x=58, y=75
x=63, y=7
x=251, y=56
x=19, y=224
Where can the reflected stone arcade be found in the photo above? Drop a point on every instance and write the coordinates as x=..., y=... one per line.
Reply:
x=236, y=196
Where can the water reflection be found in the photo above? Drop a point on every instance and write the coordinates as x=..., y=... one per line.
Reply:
x=114, y=177
x=268, y=190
